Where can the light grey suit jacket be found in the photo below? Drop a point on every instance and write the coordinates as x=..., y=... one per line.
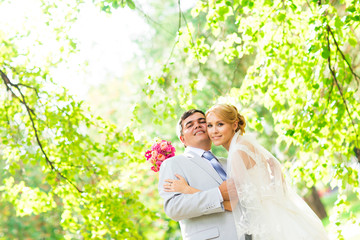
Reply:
x=201, y=215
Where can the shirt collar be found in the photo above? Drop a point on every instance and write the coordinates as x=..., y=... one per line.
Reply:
x=198, y=151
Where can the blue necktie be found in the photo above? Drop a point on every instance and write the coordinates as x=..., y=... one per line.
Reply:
x=216, y=165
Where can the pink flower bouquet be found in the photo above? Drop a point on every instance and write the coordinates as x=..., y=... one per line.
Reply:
x=158, y=153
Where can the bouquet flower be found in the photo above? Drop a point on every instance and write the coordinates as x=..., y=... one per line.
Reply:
x=158, y=153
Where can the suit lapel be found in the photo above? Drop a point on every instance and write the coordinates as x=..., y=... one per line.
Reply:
x=204, y=165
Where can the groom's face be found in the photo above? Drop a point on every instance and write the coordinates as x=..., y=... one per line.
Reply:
x=194, y=132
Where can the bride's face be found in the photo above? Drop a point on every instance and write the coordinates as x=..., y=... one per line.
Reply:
x=220, y=132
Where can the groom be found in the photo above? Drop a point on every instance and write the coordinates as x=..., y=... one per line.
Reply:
x=201, y=215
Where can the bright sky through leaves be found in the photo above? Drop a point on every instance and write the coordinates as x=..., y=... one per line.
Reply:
x=105, y=42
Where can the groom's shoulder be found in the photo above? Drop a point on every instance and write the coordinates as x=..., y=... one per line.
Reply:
x=176, y=158
x=173, y=162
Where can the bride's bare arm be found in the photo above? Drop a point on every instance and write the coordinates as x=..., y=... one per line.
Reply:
x=227, y=205
x=179, y=185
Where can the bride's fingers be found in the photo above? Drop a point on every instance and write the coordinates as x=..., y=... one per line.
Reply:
x=168, y=187
x=169, y=180
x=179, y=177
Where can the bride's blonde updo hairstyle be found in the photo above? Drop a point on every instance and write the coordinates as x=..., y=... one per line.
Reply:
x=229, y=114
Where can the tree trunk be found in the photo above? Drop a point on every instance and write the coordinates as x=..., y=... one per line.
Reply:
x=357, y=153
x=313, y=200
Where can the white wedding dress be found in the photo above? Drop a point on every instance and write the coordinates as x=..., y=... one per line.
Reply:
x=263, y=203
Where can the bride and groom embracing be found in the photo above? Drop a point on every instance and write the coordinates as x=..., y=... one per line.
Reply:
x=242, y=197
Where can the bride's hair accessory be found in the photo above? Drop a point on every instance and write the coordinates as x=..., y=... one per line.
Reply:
x=158, y=153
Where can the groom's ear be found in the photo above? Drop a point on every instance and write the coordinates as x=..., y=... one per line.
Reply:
x=182, y=139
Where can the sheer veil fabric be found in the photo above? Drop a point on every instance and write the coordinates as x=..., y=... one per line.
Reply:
x=263, y=203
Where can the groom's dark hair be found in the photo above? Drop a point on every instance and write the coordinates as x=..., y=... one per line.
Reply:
x=185, y=116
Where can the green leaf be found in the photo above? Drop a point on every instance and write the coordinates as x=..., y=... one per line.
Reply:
x=122, y=3
x=316, y=85
x=313, y=48
x=280, y=17
x=293, y=6
x=131, y=4
x=325, y=53
x=353, y=41
x=115, y=4
x=290, y=132
x=338, y=23
x=351, y=9
x=244, y=3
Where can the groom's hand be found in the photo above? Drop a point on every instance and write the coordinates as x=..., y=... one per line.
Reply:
x=224, y=191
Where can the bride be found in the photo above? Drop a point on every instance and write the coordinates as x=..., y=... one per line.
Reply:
x=263, y=204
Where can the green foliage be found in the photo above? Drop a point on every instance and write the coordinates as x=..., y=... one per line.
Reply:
x=108, y=5
x=76, y=159
x=53, y=132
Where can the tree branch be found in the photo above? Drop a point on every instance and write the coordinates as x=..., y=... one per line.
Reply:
x=357, y=78
x=149, y=19
x=177, y=41
x=30, y=113
x=339, y=87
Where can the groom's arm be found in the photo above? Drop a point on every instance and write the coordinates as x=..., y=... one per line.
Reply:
x=180, y=206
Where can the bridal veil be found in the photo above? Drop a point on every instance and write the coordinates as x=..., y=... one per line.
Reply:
x=263, y=203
